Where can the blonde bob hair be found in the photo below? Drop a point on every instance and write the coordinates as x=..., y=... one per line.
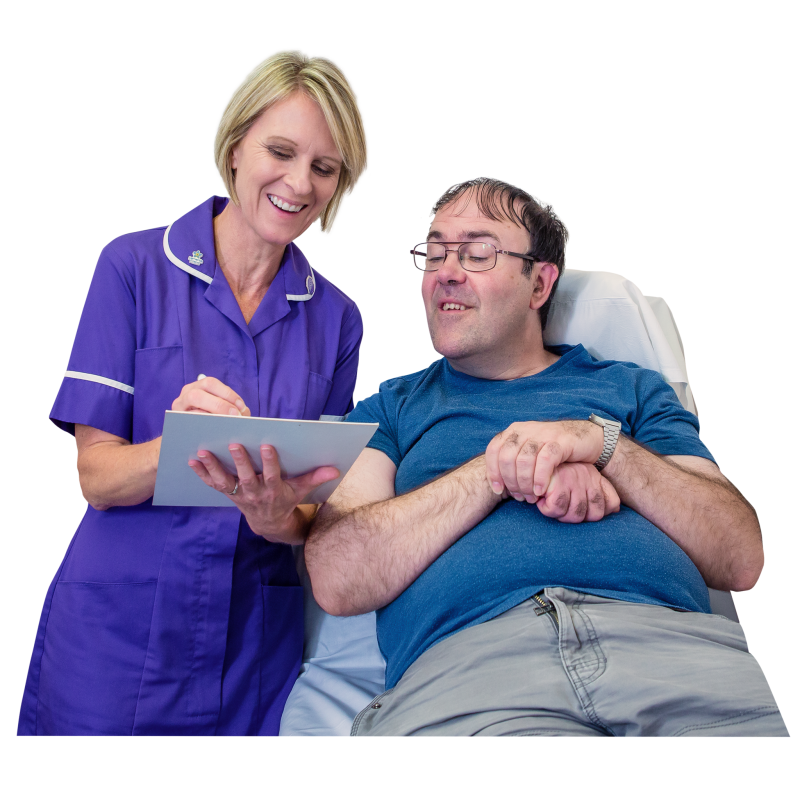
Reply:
x=277, y=78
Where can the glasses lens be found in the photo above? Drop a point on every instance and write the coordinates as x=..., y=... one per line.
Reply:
x=429, y=256
x=477, y=256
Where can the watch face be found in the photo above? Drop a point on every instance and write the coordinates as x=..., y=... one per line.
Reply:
x=602, y=421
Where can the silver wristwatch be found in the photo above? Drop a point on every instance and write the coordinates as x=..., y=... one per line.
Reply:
x=611, y=429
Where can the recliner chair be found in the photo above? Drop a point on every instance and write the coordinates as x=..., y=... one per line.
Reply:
x=343, y=669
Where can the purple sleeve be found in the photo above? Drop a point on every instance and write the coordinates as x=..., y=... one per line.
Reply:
x=97, y=389
x=340, y=399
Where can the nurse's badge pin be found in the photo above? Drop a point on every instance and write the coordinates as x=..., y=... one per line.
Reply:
x=196, y=258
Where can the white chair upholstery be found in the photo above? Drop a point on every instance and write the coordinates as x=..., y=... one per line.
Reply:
x=612, y=319
x=342, y=665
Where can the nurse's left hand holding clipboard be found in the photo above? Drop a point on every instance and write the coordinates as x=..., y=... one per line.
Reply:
x=269, y=503
x=114, y=472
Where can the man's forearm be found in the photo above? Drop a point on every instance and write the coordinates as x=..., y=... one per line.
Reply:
x=361, y=558
x=703, y=514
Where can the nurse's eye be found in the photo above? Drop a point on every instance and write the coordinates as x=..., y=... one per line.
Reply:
x=276, y=152
x=323, y=170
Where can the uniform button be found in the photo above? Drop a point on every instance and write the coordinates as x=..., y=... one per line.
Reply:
x=376, y=705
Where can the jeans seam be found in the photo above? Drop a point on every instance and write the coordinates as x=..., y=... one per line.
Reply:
x=577, y=682
x=594, y=642
x=360, y=716
x=735, y=719
x=544, y=732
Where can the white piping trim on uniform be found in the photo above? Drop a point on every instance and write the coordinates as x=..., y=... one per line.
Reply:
x=311, y=289
x=203, y=277
x=178, y=263
x=85, y=376
x=330, y=418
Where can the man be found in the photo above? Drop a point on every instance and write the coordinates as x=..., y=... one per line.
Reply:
x=496, y=617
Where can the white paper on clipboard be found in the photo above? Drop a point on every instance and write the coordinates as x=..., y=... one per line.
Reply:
x=302, y=446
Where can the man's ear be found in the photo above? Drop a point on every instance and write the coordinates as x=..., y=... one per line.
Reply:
x=544, y=276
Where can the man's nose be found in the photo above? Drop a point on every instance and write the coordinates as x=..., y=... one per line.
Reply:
x=451, y=270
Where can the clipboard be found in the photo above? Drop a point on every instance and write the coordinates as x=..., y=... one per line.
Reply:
x=302, y=446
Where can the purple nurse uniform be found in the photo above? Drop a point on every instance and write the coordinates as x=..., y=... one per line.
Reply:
x=174, y=620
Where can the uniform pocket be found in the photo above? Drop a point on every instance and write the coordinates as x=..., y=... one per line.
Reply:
x=282, y=645
x=158, y=380
x=319, y=390
x=94, y=652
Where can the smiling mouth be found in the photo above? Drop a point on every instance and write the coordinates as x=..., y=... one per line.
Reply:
x=452, y=307
x=283, y=205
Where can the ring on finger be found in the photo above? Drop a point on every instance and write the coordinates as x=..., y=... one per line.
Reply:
x=235, y=487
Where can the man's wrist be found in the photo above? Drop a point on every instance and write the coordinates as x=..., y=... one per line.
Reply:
x=611, y=431
x=628, y=455
x=476, y=469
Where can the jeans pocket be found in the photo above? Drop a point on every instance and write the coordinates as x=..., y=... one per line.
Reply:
x=94, y=652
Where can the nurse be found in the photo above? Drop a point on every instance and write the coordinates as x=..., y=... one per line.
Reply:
x=167, y=620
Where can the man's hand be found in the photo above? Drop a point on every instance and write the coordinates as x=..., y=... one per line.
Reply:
x=578, y=493
x=523, y=458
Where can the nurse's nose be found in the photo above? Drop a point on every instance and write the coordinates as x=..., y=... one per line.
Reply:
x=298, y=178
x=450, y=270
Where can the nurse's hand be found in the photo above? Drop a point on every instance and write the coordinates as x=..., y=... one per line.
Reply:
x=212, y=397
x=269, y=503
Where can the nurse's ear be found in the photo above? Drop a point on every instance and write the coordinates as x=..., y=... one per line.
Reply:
x=235, y=161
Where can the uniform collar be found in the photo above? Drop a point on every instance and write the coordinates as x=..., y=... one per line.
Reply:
x=298, y=276
x=189, y=245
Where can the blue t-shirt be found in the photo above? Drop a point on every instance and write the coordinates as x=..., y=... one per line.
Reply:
x=437, y=419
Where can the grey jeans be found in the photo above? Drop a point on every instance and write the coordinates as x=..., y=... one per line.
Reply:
x=571, y=664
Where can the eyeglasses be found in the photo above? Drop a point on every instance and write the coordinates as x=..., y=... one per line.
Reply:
x=474, y=256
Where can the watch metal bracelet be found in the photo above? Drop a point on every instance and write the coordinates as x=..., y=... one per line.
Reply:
x=611, y=429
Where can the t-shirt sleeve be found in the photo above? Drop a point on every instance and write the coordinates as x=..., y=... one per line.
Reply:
x=662, y=423
x=97, y=389
x=381, y=408
x=340, y=399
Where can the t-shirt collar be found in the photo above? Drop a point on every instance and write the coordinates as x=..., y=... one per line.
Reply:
x=566, y=353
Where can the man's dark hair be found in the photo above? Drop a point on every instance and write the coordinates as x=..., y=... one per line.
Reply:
x=502, y=201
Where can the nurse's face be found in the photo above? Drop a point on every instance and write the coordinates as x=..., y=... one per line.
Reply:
x=287, y=169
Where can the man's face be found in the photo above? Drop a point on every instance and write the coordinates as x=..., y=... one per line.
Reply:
x=492, y=312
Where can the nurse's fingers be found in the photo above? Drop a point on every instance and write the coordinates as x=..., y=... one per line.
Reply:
x=248, y=479
x=271, y=465
x=219, y=478
x=301, y=485
x=212, y=397
x=304, y=484
x=200, y=470
x=217, y=388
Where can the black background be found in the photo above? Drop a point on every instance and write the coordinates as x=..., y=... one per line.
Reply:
x=645, y=161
